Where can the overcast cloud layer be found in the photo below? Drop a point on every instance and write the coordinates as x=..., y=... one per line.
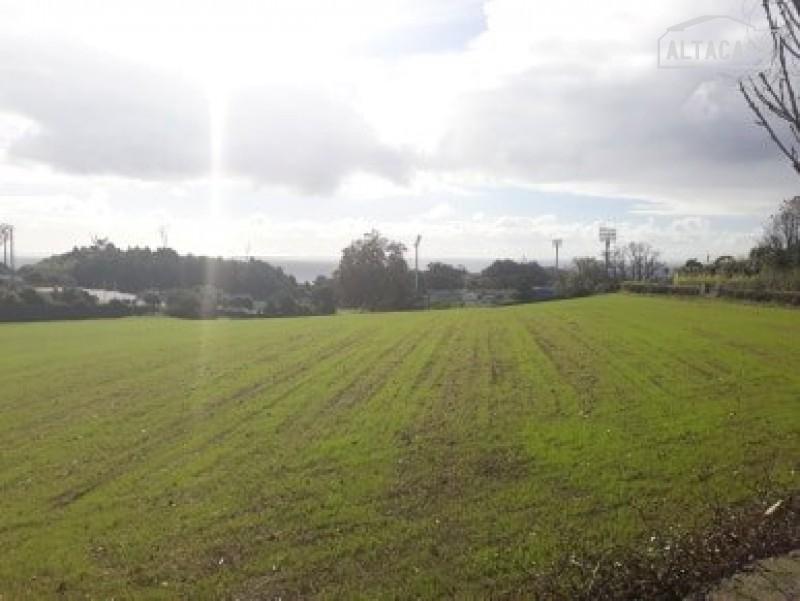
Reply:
x=489, y=127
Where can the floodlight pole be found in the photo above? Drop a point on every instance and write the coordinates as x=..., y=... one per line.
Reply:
x=163, y=233
x=607, y=236
x=557, y=244
x=7, y=237
x=416, y=264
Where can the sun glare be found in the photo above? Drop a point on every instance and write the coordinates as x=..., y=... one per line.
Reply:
x=217, y=115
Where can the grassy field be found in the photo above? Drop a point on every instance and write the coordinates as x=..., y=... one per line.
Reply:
x=431, y=454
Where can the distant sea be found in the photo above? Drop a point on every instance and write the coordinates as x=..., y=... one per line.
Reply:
x=306, y=269
x=21, y=261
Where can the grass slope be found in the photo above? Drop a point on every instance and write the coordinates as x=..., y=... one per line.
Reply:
x=430, y=454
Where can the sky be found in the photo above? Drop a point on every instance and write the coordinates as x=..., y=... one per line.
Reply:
x=290, y=127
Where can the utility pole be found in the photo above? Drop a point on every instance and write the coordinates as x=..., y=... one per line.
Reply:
x=416, y=265
x=557, y=244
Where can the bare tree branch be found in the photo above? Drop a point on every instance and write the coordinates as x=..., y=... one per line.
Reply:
x=771, y=93
x=790, y=154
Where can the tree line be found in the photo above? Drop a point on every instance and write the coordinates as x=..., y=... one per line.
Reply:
x=180, y=285
x=103, y=265
x=772, y=264
x=372, y=274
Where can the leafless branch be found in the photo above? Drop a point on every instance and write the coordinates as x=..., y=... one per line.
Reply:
x=771, y=93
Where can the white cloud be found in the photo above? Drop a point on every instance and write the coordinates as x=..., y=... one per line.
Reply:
x=439, y=212
x=324, y=106
x=94, y=115
x=305, y=139
x=583, y=108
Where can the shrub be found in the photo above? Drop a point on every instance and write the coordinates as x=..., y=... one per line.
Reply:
x=25, y=304
x=758, y=295
x=776, y=296
x=767, y=279
x=52, y=312
x=29, y=296
x=656, y=288
x=191, y=304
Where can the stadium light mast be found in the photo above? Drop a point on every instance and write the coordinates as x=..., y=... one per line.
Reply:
x=416, y=264
x=608, y=235
x=7, y=237
x=557, y=244
x=163, y=234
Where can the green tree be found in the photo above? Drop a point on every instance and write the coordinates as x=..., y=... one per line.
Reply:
x=323, y=296
x=441, y=276
x=373, y=274
x=505, y=273
x=780, y=244
x=196, y=304
x=103, y=265
x=153, y=300
x=693, y=266
x=587, y=277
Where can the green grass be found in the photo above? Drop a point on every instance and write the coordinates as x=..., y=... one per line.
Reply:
x=431, y=454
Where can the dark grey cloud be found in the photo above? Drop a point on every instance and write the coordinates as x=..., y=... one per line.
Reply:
x=655, y=132
x=99, y=115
